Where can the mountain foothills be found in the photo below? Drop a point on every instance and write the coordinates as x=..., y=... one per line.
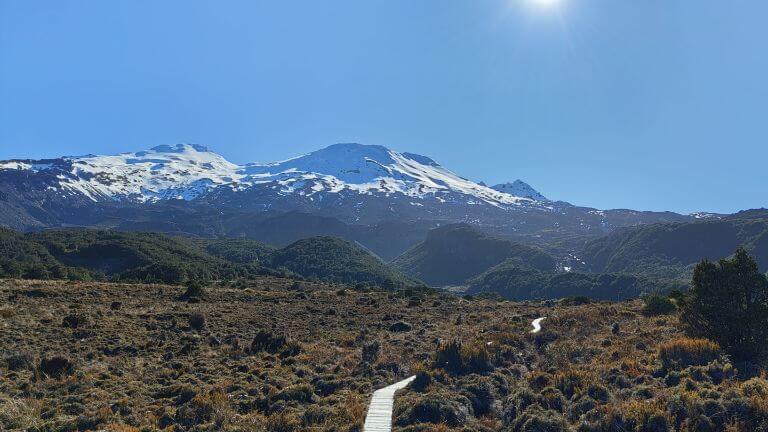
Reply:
x=158, y=258
x=454, y=253
x=674, y=249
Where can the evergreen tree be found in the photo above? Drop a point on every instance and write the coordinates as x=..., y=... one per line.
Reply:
x=728, y=303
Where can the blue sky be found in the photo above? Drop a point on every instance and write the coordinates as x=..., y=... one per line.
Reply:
x=652, y=104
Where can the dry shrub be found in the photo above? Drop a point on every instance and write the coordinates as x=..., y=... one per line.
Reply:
x=352, y=411
x=212, y=406
x=283, y=422
x=119, y=427
x=633, y=415
x=684, y=352
x=458, y=358
x=21, y=414
x=572, y=382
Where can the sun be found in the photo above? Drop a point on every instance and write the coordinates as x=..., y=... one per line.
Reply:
x=544, y=3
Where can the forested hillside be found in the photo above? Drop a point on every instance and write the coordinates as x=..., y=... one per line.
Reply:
x=330, y=258
x=518, y=282
x=671, y=250
x=153, y=258
x=454, y=253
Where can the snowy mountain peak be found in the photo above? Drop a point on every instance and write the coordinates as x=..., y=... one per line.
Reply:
x=521, y=189
x=187, y=171
x=369, y=169
x=180, y=148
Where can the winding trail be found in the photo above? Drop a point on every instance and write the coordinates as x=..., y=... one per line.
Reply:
x=537, y=324
x=379, y=417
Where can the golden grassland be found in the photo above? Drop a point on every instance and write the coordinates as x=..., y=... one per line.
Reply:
x=275, y=355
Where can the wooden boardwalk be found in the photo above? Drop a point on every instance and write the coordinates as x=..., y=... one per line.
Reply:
x=537, y=324
x=379, y=417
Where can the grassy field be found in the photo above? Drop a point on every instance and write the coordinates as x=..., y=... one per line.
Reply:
x=276, y=355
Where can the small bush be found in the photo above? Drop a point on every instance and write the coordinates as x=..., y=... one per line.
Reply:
x=575, y=301
x=658, y=305
x=197, y=321
x=457, y=358
x=422, y=381
x=74, y=321
x=684, y=352
x=371, y=352
x=195, y=289
x=274, y=344
x=56, y=367
x=480, y=394
x=400, y=327
x=436, y=409
x=539, y=420
x=302, y=393
x=572, y=382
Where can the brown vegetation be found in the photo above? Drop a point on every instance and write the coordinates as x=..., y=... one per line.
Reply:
x=270, y=356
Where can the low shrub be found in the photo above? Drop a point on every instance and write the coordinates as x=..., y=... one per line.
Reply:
x=456, y=358
x=195, y=289
x=197, y=321
x=436, y=409
x=269, y=342
x=656, y=305
x=56, y=367
x=684, y=352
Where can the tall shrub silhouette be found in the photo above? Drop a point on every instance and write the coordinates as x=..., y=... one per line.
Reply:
x=728, y=304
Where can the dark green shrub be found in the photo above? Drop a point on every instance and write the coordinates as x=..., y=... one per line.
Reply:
x=56, y=367
x=729, y=305
x=195, y=289
x=197, y=321
x=658, y=305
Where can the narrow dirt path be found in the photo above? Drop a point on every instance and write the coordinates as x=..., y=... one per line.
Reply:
x=379, y=417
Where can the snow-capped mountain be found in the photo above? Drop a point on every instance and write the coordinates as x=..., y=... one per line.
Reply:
x=521, y=189
x=188, y=171
x=190, y=189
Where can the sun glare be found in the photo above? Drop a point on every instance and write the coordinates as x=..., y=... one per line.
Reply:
x=544, y=3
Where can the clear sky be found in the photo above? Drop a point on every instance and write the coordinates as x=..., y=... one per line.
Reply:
x=645, y=104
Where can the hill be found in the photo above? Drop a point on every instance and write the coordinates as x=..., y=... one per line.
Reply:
x=337, y=260
x=512, y=281
x=672, y=249
x=155, y=258
x=454, y=253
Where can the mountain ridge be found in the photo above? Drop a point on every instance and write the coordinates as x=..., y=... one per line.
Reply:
x=360, y=185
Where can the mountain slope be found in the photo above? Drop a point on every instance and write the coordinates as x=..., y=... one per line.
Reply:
x=452, y=254
x=336, y=260
x=187, y=171
x=671, y=250
x=153, y=257
x=515, y=282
